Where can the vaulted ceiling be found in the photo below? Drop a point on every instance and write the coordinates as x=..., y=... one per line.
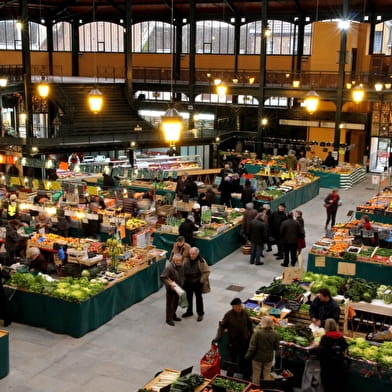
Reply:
x=114, y=10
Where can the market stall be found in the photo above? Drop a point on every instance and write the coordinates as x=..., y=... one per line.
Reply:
x=212, y=249
x=78, y=318
x=343, y=177
x=378, y=208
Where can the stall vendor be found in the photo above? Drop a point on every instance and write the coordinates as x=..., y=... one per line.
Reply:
x=364, y=223
x=12, y=207
x=38, y=262
x=324, y=307
x=43, y=223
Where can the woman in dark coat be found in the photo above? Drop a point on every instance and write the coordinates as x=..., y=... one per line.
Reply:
x=331, y=352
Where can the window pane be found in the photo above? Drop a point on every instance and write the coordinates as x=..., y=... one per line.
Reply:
x=62, y=38
x=101, y=37
x=214, y=37
x=152, y=37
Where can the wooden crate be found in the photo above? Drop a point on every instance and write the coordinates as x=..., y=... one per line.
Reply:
x=157, y=382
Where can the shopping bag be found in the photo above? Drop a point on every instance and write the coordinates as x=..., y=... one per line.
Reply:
x=210, y=362
x=183, y=302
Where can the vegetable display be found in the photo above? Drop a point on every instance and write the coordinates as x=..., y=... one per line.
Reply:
x=287, y=291
x=359, y=348
x=298, y=334
x=229, y=384
x=69, y=289
x=187, y=383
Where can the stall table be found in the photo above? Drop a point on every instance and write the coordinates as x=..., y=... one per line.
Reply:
x=76, y=319
x=338, y=180
x=374, y=217
x=291, y=199
x=371, y=271
x=213, y=250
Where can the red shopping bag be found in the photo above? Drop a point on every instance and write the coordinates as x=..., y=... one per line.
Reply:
x=210, y=362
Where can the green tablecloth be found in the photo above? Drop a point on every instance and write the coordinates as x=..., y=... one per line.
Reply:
x=212, y=250
x=375, y=218
x=76, y=319
x=373, y=272
x=4, y=354
x=327, y=180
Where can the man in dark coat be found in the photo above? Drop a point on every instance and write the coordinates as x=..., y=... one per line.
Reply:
x=239, y=328
x=275, y=220
x=324, y=307
x=290, y=231
x=247, y=193
x=257, y=237
x=174, y=272
x=190, y=189
x=249, y=214
x=225, y=188
x=187, y=228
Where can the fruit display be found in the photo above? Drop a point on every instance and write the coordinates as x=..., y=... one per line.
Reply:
x=69, y=289
x=134, y=223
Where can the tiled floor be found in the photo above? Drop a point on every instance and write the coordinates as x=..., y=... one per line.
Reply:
x=126, y=352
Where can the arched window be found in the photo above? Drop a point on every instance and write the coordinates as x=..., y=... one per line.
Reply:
x=38, y=36
x=212, y=37
x=101, y=37
x=282, y=40
x=62, y=37
x=11, y=35
x=382, y=41
x=152, y=37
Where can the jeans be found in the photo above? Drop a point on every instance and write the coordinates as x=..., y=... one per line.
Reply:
x=255, y=254
x=190, y=288
x=290, y=251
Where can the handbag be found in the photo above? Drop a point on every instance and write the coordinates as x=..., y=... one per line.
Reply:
x=205, y=286
x=210, y=362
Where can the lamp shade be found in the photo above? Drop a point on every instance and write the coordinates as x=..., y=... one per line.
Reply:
x=221, y=89
x=358, y=93
x=95, y=100
x=3, y=81
x=312, y=100
x=171, y=125
x=43, y=89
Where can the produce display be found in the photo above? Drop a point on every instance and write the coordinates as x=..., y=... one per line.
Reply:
x=287, y=291
x=187, y=383
x=359, y=348
x=298, y=334
x=134, y=223
x=341, y=245
x=356, y=289
x=229, y=384
x=378, y=205
x=69, y=289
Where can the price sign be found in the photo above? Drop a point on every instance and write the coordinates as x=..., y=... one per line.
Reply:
x=319, y=261
x=346, y=268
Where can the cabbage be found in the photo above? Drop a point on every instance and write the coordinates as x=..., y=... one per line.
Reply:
x=356, y=352
x=371, y=353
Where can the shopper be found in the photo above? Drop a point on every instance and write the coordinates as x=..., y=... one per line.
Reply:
x=267, y=214
x=329, y=160
x=241, y=169
x=239, y=329
x=257, y=237
x=38, y=262
x=173, y=273
x=190, y=190
x=180, y=187
x=130, y=206
x=249, y=214
x=180, y=247
x=225, y=189
x=13, y=240
x=275, y=220
x=187, y=228
x=235, y=183
x=324, y=307
x=331, y=352
x=291, y=162
x=4, y=313
x=43, y=223
x=301, y=244
x=196, y=273
x=262, y=345
x=302, y=165
x=331, y=204
x=247, y=193
x=63, y=223
x=289, y=234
